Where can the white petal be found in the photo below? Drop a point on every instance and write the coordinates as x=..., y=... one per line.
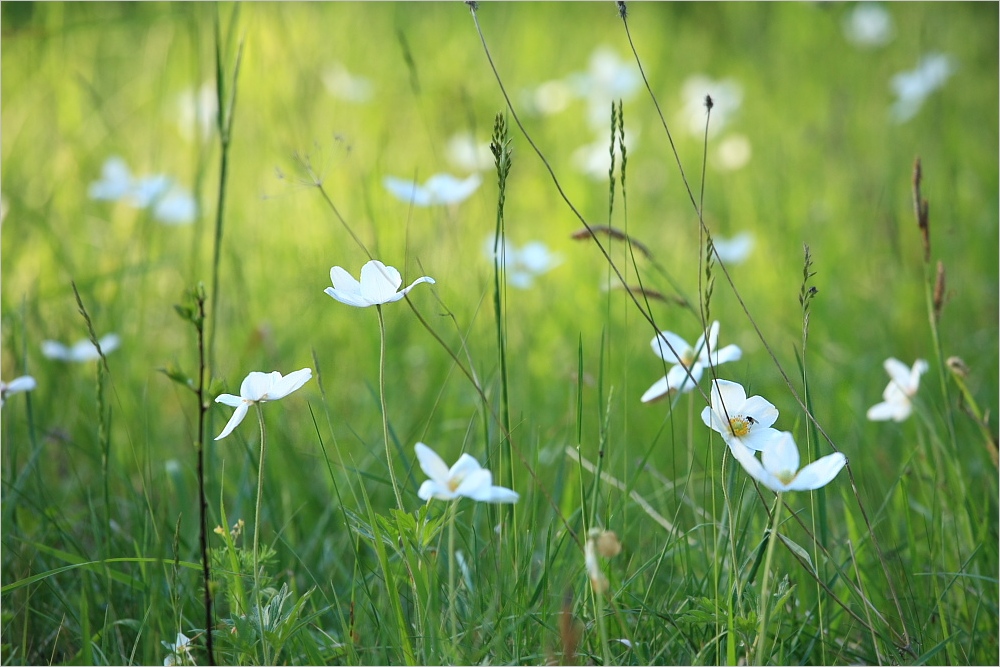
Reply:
x=475, y=484
x=670, y=347
x=495, y=494
x=228, y=399
x=464, y=467
x=919, y=368
x=343, y=281
x=760, y=438
x=898, y=372
x=289, y=383
x=678, y=377
x=761, y=410
x=707, y=416
x=379, y=282
x=234, y=421
x=256, y=385
x=818, y=473
x=754, y=468
x=109, y=343
x=781, y=456
x=726, y=354
x=713, y=339
x=894, y=410
x=422, y=279
x=350, y=298
x=23, y=383
x=407, y=191
x=55, y=350
x=659, y=389
x=446, y=189
x=432, y=464
x=727, y=397
x=431, y=489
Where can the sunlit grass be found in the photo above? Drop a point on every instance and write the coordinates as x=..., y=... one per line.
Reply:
x=828, y=169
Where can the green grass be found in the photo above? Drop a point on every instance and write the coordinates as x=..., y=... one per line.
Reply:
x=895, y=561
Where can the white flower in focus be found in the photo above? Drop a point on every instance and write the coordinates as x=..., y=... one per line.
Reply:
x=349, y=87
x=180, y=652
x=260, y=387
x=675, y=350
x=523, y=264
x=913, y=87
x=740, y=420
x=734, y=250
x=464, y=479
x=379, y=284
x=778, y=467
x=16, y=386
x=727, y=96
x=81, y=351
x=438, y=189
x=468, y=154
x=868, y=24
x=897, y=397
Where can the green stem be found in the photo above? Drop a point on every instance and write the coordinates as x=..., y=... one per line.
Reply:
x=385, y=414
x=256, y=534
x=452, y=593
x=764, y=592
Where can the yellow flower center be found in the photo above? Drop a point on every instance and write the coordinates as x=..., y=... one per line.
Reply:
x=740, y=425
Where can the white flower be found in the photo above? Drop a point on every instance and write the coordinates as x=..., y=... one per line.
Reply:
x=778, y=467
x=468, y=154
x=869, y=24
x=81, y=351
x=260, y=387
x=741, y=420
x=733, y=152
x=115, y=183
x=608, y=79
x=16, y=386
x=675, y=350
x=379, y=284
x=180, y=652
x=197, y=112
x=727, y=96
x=349, y=87
x=524, y=263
x=913, y=87
x=734, y=250
x=176, y=207
x=439, y=189
x=595, y=159
x=465, y=479
x=903, y=385
x=604, y=543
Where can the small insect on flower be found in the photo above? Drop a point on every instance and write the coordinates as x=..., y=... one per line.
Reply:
x=743, y=422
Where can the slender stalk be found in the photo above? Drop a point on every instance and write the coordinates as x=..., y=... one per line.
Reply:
x=256, y=534
x=452, y=593
x=202, y=502
x=764, y=592
x=385, y=414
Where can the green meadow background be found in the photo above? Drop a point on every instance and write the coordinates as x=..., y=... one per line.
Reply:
x=82, y=82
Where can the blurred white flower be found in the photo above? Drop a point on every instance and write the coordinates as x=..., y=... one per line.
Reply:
x=675, y=350
x=115, y=182
x=197, y=112
x=379, y=284
x=523, y=264
x=608, y=79
x=180, y=652
x=171, y=203
x=464, y=479
x=742, y=421
x=438, y=189
x=260, y=387
x=82, y=350
x=868, y=24
x=550, y=97
x=346, y=86
x=734, y=250
x=16, y=386
x=914, y=86
x=467, y=154
x=595, y=159
x=727, y=97
x=778, y=467
x=733, y=152
x=897, y=398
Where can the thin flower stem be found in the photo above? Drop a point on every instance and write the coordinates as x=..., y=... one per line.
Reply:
x=764, y=592
x=385, y=414
x=256, y=534
x=452, y=593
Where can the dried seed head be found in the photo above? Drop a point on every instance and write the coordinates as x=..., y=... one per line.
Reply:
x=608, y=545
x=957, y=366
x=939, y=287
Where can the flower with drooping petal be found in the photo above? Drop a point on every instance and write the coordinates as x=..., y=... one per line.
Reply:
x=82, y=350
x=741, y=420
x=180, y=652
x=778, y=467
x=260, y=387
x=16, y=386
x=897, y=404
x=464, y=479
x=675, y=350
x=438, y=189
x=379, y=284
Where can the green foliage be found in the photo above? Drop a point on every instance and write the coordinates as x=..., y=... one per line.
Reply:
x=895, y=562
